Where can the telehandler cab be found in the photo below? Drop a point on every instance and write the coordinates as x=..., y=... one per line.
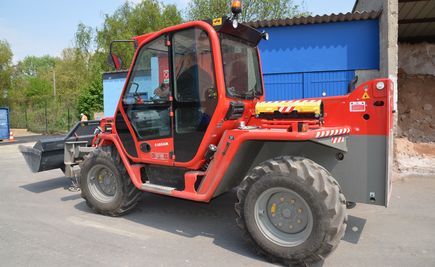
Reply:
x=192, y=123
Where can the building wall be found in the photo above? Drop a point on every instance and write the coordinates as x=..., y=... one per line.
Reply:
x=317, y=59
x=388, y=32
x=305, y=85
x=113, y=83
x=321, y=47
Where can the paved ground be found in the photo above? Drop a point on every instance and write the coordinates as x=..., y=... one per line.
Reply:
x=44, y=224
x=28, y=138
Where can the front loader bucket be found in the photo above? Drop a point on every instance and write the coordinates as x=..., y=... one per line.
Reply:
x=46, y=154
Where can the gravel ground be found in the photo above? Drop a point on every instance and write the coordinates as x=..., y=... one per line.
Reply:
x=42, y=223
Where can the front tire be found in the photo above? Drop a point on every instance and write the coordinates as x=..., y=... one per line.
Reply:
x=105, y=184
x=291, y=210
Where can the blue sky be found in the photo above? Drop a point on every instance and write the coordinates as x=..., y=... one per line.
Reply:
x=40, y=27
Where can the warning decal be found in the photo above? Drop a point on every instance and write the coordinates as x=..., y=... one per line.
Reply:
x=217, y=22
x=365, y=96
x=357, y=106
x=166, y=76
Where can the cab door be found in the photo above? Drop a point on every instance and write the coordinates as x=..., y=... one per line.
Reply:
x=195, y=93
x=147, y=105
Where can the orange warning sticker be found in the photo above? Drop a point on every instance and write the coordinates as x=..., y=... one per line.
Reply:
x=365, y=96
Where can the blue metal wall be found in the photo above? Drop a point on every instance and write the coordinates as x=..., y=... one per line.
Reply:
x=305, y=85
x=307, y=60
x=113, y=83
x=4, y=123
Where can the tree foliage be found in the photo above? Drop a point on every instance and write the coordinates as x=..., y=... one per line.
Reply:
x=91, y=99
x=35, y=66
x=252, y=9
x=131, y=20
x=5, y=70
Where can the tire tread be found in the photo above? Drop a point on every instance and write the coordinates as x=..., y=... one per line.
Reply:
x=311, y=174
x=131, y=195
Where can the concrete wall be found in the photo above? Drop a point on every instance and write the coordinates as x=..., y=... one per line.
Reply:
x=388, y=31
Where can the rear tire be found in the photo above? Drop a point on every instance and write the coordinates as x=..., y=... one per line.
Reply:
x=291, y=210
x=105, y=183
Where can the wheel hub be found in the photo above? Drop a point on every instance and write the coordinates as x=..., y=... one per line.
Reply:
x=287, y=212
x=102, y=183
x=283, y=216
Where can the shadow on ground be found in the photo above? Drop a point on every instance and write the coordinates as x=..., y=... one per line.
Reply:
x=355, y=226
x=191, y=219
x=47, y=185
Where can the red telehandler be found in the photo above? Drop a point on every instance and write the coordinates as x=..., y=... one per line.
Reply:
x=192, y=123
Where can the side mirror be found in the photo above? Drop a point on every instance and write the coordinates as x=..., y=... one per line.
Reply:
x=114, y=61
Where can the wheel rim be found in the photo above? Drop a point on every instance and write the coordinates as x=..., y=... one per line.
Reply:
x=283, y=217
x=102, y=183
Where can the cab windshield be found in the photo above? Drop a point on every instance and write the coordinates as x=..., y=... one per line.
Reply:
x=241, y=68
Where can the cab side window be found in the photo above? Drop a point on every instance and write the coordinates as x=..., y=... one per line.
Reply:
x=146, y=100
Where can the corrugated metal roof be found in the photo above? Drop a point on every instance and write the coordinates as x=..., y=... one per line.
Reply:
x=315, y=19
x=416, y=20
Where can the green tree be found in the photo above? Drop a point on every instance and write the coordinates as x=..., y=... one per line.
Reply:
x=38, y=90
x=72, y=75
x=5, y=70
x=84, y=39
x=35, y=66
x=131, y=20
x=33, y=79
x=91, y=99
x=252, y=9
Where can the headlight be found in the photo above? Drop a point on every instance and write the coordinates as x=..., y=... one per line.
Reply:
x=235, y=24
x=380, y=85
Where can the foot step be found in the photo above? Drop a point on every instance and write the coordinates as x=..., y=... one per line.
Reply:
x=157, y=188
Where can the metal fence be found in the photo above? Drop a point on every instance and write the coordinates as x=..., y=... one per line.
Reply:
x=43, y=116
